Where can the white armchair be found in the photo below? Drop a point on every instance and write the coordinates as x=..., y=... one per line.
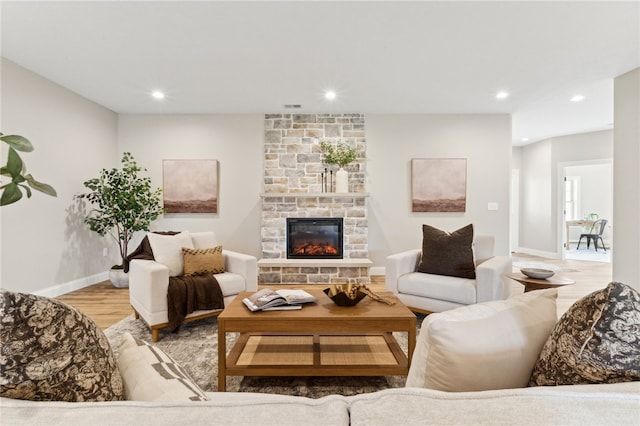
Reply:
x=149, y=282
x=427, y=293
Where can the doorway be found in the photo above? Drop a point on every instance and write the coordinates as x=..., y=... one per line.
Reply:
x=587, y=192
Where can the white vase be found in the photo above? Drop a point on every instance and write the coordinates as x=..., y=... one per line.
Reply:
x=118, y=278
x=342, y=180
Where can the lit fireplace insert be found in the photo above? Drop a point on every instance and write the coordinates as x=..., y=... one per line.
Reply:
x=314, y=238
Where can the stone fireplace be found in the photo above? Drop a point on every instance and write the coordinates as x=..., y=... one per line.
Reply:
x=294, y=189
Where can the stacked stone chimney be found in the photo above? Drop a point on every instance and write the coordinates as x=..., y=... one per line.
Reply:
x=297, y=184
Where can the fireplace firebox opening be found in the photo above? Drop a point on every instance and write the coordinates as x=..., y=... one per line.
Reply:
x=314, y=238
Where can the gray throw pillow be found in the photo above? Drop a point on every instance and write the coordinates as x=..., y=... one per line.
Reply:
x=596, y=341
x=52, y=352
x=445, y=253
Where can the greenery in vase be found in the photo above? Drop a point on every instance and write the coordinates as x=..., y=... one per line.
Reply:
x=340, y=153
x=123, y=203
x=17, y=171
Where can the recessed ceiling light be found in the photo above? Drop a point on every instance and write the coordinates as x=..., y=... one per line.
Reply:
x=577, y=98
x=525, y=139
x=157, y=95
x=502, y=95
x=330, y=95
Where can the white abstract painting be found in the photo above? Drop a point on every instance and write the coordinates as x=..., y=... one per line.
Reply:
x=190, y=186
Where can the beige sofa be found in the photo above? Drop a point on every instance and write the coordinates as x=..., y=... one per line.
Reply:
x=615, y=404
x=471, y=366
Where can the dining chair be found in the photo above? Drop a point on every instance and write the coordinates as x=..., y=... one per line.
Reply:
x=594, y=234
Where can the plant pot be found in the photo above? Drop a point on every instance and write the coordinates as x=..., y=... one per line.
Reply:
x=342, y=181
x=119, y=278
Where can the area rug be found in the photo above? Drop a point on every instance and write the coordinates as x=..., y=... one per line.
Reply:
x=195, y=348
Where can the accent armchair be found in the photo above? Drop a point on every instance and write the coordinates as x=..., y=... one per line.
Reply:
x=149, y=282
x=427, y=293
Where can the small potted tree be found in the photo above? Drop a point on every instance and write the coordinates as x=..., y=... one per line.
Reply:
x=341, y=155
x=123, y=203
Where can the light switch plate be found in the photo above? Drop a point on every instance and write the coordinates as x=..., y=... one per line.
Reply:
x=492, y=206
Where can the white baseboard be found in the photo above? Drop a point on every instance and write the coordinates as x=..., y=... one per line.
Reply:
x=533, y=252
x=377, y=270
x=70, y=286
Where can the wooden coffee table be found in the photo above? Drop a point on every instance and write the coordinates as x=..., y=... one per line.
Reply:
x=321, y=339
x=531, y=284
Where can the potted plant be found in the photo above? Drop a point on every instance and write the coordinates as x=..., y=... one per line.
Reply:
x=340, y=154
x=16, y=170
x=123, y=203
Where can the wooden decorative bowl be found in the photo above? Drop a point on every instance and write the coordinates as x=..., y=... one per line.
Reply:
x=341, y=299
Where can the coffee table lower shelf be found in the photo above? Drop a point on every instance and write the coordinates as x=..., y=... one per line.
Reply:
x=305, y=354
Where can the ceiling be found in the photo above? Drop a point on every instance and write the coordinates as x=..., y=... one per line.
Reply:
x=422, y=57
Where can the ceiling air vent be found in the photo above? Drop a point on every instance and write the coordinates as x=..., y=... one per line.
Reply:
x=292, y=106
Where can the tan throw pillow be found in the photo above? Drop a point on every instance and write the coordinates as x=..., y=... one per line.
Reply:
x=149, y=374
x=203, y=261
x=52, y=352
x=596, y=341
x=167, y=250
x=490, y=345
x=445, y=253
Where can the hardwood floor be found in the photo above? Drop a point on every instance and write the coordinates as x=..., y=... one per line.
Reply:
x=107, y=305
x=102, y=302
x=589, y=277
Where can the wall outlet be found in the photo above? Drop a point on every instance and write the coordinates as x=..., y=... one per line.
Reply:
x=492, y=206
x=105, y=252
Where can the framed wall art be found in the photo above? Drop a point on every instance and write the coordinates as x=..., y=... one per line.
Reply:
x=190, y=186
x=438, y=184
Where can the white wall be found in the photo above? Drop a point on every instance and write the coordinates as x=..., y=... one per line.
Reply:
x=393, y=140
x=540, y=180
x=537, y=230
x=46, y=248
x=626, y=179
x=236, y=141
x=44, y=242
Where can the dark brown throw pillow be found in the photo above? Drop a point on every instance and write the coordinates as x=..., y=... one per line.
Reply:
x=52, y=352
x=446, y=253
x=596, y=341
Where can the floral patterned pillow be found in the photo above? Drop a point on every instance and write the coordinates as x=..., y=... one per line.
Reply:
x=52, y=352
x=596, y=341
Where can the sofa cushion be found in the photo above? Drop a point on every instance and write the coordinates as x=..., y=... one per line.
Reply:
x=562, y=405
x=223, y=408
x=490, y=345
x=204, y=239
x=167, y=250
x=445, y=253
x=52, y=352
x=596, y=341
x=440, y=287
x=204, y=260
x=149, y=374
